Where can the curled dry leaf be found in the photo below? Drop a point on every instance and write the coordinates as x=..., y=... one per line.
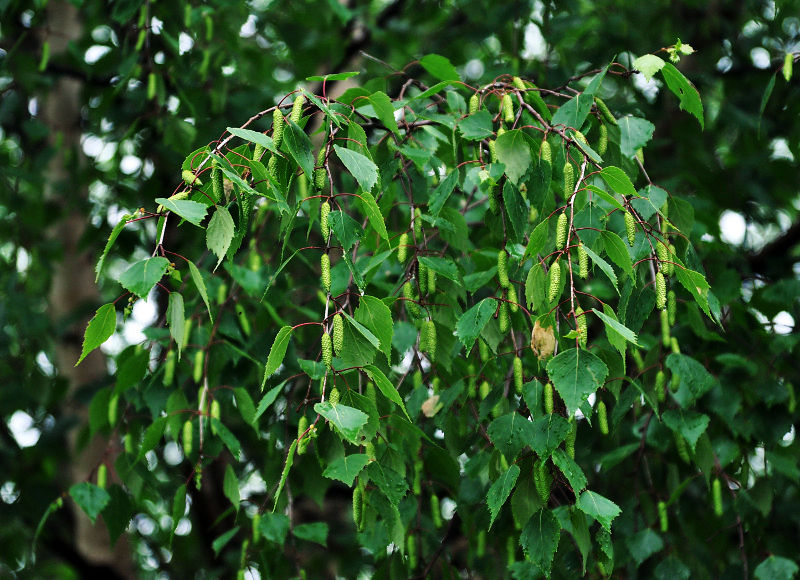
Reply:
x=543, y=341
x=431, y=406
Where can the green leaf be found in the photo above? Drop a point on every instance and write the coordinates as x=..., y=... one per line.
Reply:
x=363, y=330
x=685, y=91
x=348, y=231
x=220, y=233
x=618, y=181
x=346, y=468
x=618, y=327
x=276, y=353
x=644, y=544
x=576, y=374
x=571, y=470
x=471, y=323
x=143, y=275
x=442, y=192
x=690, y=424
x=392, y=484
x=516, y=209
x=776, y=568
x=696, y=284
x=228, y=438
x=117, y=514
x=100, y=328
x=444, y=266
x=360, y=345
x=299, y=146
x=284, y=474
x=500, y=490
x=603, y=265
x=477, y=126
x=547, y=434
x=539, y=539
x=537, y=240
x=220, y=542
x=244, y=402
x=605, y=196
x=510, y=433
x=152, y=436
x=110, y=243
x=373, y=213
x=333, y=77
x=635, y=133
x=376, y=316
x=90, y=498
x=359, y=166
x=178, y=507
x=384, y=109
x=197, y=278
x=648, y=65
x=192, y=211
x=316, y=532
x=439, y=67
x=347, y=420
x=386, y=387
x=514, y=152
x=274, y=527
x=601, y=509
x=176, y=320
x=617, y=250
x=671, y=568
x=694, y=378
x=254, y=137
x=230, y=486
x=574, y=112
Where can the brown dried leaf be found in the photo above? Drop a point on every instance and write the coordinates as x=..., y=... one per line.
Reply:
x=431, y=406
x=543, y=341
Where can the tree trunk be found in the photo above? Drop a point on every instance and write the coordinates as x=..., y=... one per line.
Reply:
x=73, y=284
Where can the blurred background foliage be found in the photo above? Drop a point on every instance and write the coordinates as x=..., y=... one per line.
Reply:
x=102, y=101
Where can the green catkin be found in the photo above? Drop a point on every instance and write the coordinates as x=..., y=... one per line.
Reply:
x=630, y=227
x=113, y=409
x=484, y=390
x=511, y=295
x=546, y=152
x=152, y=86
x=241, y=313
x=222, y=293
x=474, y=104
x=508, y=108
x=320, y=173
x=561, y=231
x=716, y=494
x=661, y=291
x=190, y=178
x=569, y=442
x=663, y=517
x=541, y=480
x=186, y=438
x=661, y=382
x=662, y=254
x=169, y=369
x=673, y=344
x=602, y=140
x=665, y=326
x=324, y=220
x=325, y=272
x=502, y=269
x=554, y=281
x=480, y=547
x=197, y=369
x=357, y=506
x=671, y=263
x=411, y=550
x=297, y=108
x=583, y=262
x=278, y=123
x=402, y=249
x=680, y=446
x=333, y=397
x=501, y=130
x=518, y=376
x=672, y=305
x=580, y=137
x=569, y=179
x=511, y=550
x=602, y=417
x=548, y=398
x=581, y=326
x=272, y=166
x=410, y=299
x=417, y=225
x=417, y=484
x=519, y=84
x=431, y=282
x=327, y=350
x=483, y=350
x=216, y=182
x=216, y=411
x=302, y=425
x=492, y=151
x=605, y=111
x=429, y=329
x=436, y=511
x=422, y=276
x=102, y=476
x=256, y=527
x=504, y=318
x=258, y=152
x=338, y=333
